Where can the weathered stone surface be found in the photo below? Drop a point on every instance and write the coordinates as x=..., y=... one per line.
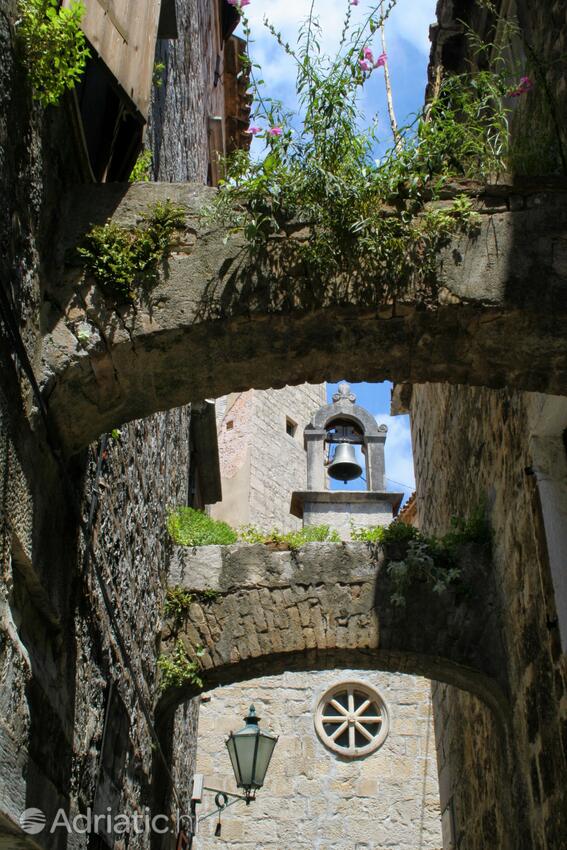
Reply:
x=472, y=447
x=327, y=604
x=312, y=797
x=261, y=463
x=489, y=323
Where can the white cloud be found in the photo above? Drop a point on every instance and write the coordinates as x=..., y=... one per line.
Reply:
x=409, y=22
x=399, y=458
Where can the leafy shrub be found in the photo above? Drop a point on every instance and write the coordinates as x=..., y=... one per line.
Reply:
x=412, y=556
x=189, y=527
x=311, y=534
x=178, y=601
x=141, y=172
x=178, y=669
x=124, y=261
x=387, y=535
x=293, y=539
x=54, y=47
x=368, y=219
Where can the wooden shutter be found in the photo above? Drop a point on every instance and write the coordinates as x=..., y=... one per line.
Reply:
x=123, y=33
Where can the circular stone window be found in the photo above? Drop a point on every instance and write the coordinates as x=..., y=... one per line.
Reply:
x=352, y=719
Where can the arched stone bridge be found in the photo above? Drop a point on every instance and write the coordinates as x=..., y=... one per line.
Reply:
x=328, y=605
x=497, y=317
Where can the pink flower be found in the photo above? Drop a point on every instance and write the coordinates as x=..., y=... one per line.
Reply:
x=354, y=2
x=253, y=130
x=525, y=85
x=275, y=131
x=367, y=53
x=381, y=61
x=365, y=65
x=239, y=3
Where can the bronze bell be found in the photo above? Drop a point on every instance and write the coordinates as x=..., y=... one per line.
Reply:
x=344, y=466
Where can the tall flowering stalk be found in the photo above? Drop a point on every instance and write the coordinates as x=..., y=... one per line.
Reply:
x=367, y=218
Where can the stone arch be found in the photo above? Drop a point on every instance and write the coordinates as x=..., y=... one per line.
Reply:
x=329, y=605
x=215, y=325
x=353, y=412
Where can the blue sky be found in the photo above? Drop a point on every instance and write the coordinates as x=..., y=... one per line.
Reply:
x=407, y=35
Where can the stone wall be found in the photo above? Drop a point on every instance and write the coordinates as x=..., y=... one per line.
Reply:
x=261, y=464
x=178, y=131
x=84, y=547
x=480, y=447
x=472, y=448
x=314, y=799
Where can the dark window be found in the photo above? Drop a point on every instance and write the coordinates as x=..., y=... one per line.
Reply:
x=290, y=426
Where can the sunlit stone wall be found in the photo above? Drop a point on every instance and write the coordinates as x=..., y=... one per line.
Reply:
x=314, y=799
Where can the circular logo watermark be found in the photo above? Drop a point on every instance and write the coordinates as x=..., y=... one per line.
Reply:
x=33, y=821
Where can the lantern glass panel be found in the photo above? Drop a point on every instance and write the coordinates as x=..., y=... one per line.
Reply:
x=266, y=744
x=230, y=745
x=244, y=744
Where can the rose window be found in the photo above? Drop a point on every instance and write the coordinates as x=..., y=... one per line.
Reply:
x=352, y=719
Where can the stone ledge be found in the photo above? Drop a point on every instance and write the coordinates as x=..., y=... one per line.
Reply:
x=342, y=497
x=245, y=565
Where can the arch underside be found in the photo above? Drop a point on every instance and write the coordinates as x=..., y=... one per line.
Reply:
x=329, y=605
x=216, y=323
x=308, y=660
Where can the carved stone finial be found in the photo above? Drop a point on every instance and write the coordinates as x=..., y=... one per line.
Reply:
x=344, y=393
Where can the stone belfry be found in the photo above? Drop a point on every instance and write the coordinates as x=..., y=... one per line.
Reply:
x=262, y=454
x=330, y=439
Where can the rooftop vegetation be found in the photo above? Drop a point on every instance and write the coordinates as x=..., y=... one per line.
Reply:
x=376, y=213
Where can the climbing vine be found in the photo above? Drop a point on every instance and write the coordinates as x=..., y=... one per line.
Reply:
x=54, y=48
x=126, y=261
x=366, y=219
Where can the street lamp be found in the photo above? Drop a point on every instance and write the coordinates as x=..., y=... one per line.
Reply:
x=250, y=750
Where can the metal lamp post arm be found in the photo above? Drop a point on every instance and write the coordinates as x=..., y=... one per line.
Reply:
x=236, y=798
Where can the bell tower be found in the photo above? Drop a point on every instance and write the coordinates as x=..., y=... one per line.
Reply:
x=330, y=440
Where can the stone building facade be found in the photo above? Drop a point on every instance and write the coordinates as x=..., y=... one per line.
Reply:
x=314, y=798
x=80, y=635
x=262, y=454
x=505, y=452
x=83, y=543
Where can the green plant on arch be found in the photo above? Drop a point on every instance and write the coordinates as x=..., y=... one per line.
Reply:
x=54, y=47
x=126, y=261
x=189, y=527
x=178, y=669
x=367, y=226
x=178, y=601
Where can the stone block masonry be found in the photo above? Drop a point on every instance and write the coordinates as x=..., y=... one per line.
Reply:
x=479, y=302
x=475, y=447
x=262, y=455
x=314, y=799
